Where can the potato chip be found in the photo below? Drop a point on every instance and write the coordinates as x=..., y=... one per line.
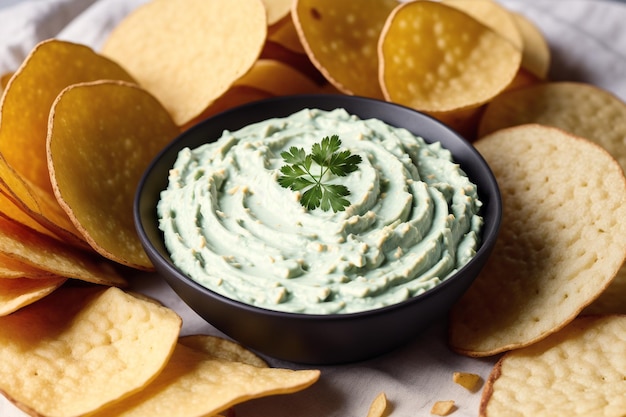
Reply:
x=613, y=299
x=14, y=212
x=436, y=58
x=491, y=14
x=188, y=53
x=536, y=53
x=278, y=79
x=341, y=38
x=284, y=33
x=195, y=383
x=378, y=407
x=36, y=250
x=223, y=349
x=300, y=61
x=561, y=242
x=50, y=67
x=19, y=292
x=81, y=348
x=11, y=269
x=108, y=132
x=568, y=106
x=578, y=371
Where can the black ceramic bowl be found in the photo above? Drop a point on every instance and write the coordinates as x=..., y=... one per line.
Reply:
x=318, y=339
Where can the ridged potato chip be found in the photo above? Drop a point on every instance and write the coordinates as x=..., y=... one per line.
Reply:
x=436, y=58
x=341, y=38
x=80, y=348
x=107, y=132
x=578, y=371
x=189, y=52
x=561, y=243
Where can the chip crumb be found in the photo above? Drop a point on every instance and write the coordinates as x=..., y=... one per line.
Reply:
x=467, y=380
x=443, y=408
x=378, y=406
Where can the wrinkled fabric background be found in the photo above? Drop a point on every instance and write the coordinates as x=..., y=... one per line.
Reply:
x=588, y=41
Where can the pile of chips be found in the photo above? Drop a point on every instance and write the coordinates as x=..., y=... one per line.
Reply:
x=78, y=128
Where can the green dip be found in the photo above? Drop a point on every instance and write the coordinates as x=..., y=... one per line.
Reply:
x=411, y=223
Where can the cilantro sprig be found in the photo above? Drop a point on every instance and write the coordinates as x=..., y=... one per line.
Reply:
x=324, y=158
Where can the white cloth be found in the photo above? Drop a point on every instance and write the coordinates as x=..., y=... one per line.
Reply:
x=588, y=40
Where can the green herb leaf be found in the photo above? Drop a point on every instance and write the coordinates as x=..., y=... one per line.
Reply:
x=298, y=176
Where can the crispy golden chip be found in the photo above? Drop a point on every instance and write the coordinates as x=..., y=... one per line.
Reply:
x=107, y=132
x=36, y=250
x=4, y=81
x=491, y=14
x=536, y=53
x=341, y=38
x=436, y=58
x=378, y=407
x=50, y=67
x=561, y=242
x=195, y=383
x=188, y=53
x=10, y=268
x=80, y=348
x=19, y=292
x=277, y=78
x=581, y=109
x=467, y=380
x=15, y=212
x=223, y=349
x=578, y=371
x=443, y=408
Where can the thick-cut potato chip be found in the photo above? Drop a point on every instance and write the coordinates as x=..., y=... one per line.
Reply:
x=223, y=349
x=561, y=242
x=536, y=55
x=492, y=14
x=189, y=52
x=39, y=251
x=277, y=79
x=578, y=371
x=341, y=39
x=581, y=109
x=81, y=348
x=195, y=383
x=19, y=292
x=378, y=407
x=107, y=132
x=436, y=58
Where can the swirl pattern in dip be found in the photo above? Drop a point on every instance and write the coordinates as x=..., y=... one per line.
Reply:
x=412, y=220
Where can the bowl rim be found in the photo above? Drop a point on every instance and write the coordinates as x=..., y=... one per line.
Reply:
x=164, y=262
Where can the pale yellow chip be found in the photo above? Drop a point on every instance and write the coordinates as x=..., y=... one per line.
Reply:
x=494, y=15
x=189, y=52
x=581, y=109
x=223, y=349
x=436, y=58
x=39, y=251
x=578, y=371
x=443, y=408
x=195, y=383
x=467, y=380
x=536, y=54
x=562, y=239
x=341, y=38
x=378, y=407
x=278, y=79
x=16, y=293
x=81, y=348
x=107, y=132
x=277, y=10
x=613, y=299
